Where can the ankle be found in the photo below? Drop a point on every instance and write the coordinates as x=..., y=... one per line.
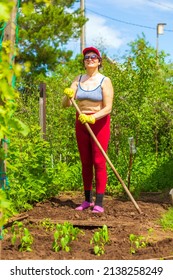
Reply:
x=88, y=196
x=99, y=199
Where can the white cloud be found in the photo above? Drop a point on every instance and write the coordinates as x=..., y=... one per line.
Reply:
x=97, y=30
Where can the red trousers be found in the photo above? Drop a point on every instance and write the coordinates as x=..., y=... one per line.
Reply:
x=90, y=154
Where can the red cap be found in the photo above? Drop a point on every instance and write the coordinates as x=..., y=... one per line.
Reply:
x=91, y=49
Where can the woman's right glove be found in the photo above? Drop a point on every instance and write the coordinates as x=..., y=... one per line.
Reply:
x=83, y=118
x=69, y=92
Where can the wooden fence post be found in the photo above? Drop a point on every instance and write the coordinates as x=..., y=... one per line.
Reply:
x=42, y=109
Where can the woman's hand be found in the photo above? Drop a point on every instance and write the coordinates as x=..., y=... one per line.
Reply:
x=69, y=92
x=83, y=118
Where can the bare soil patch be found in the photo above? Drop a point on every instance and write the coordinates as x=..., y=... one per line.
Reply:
x=120, y=216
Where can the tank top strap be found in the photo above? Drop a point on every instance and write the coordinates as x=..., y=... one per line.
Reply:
x=102, y=80
x=80, y=78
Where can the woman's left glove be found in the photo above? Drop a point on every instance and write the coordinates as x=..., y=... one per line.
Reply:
x=86, y=119
x=69, y=92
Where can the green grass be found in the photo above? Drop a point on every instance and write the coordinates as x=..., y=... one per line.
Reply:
x=167, y=219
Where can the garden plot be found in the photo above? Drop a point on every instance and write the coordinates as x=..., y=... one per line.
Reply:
x=131, y=235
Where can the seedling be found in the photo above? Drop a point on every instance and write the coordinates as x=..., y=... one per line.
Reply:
x=19, y=232
x=47, y=224
x=99, y=240
x=136, y=242
x=64, y=234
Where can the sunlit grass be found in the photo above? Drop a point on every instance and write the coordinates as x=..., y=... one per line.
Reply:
x=167, y=219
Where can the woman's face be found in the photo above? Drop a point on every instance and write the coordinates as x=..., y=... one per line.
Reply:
x=91, y=60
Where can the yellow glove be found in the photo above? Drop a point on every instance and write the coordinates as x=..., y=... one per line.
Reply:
x=86, y=119
x=69, y=92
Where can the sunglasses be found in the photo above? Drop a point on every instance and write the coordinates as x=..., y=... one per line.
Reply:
x=93, y=56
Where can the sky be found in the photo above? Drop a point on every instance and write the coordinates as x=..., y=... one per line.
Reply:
x=113, y=24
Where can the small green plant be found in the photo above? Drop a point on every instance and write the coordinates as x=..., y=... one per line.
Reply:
x=47, y=224
x=136, y=242
x=167, y=220
x=99, y=240
x=64, y=234
x=19, y=232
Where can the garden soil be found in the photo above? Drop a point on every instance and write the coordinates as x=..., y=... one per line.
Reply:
x=121, y=217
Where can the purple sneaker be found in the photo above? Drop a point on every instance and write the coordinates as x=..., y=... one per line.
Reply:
x=84, y=205
x=98, y=209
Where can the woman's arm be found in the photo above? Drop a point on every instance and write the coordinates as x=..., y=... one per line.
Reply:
x=66, y=101
x=108, y=94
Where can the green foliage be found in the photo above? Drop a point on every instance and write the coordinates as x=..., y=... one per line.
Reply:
x=99, y=239
x=157, y=174
x=8, y=73
x=33, y=175
x=136, y=242
x=59, y=153
x=64, y=235
x=30, y=171
x=23, y=235
x=8, y=95
x=6, y=210
x=44, y=29
x=60, y=123
x=5, y=10
x=167, y=220
x=68, y=177
x=142, y=109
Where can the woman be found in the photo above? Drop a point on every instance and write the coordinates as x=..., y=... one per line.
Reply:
x=94, y=94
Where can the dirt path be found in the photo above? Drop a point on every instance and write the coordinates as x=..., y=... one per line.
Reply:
x=120, y=216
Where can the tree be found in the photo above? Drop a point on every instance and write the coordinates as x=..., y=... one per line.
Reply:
x=43, y=31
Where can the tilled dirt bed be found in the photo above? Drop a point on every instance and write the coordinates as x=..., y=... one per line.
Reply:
x=120, y=216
